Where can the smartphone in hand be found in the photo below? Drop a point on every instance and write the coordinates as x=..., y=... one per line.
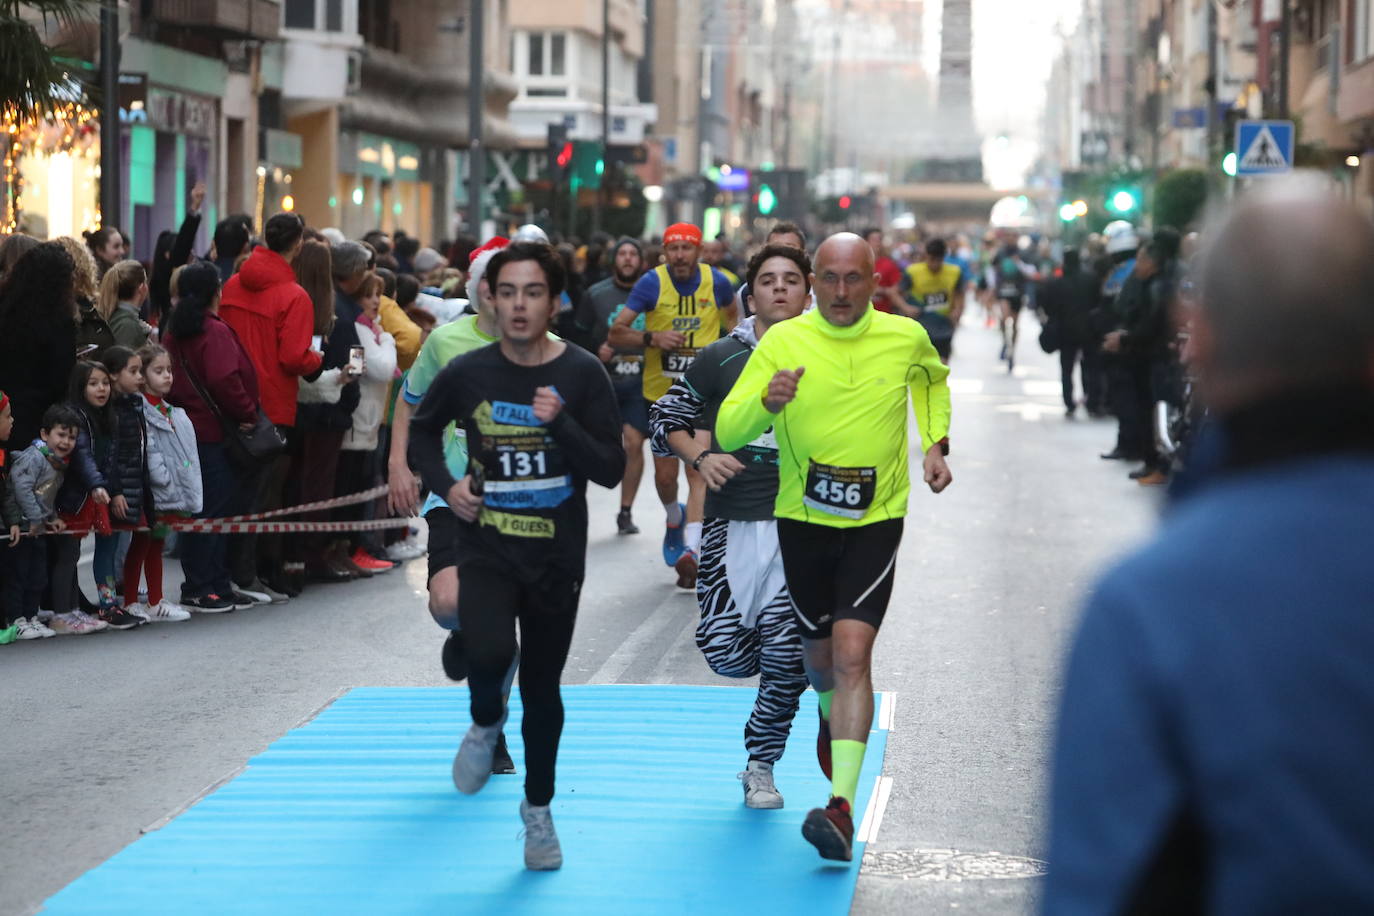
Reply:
x=355, y=360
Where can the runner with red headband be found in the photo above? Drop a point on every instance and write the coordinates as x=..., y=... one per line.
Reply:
x=686, y=305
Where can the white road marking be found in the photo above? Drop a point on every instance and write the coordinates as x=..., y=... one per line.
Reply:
x=873, y=814
x=1041, y=388
x=965, y=385
x=665, y=618
x=887, y=703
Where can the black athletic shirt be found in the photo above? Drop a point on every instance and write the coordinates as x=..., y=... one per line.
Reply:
x=534, y=477
x=692, y=404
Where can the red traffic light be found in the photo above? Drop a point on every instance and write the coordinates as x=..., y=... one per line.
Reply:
x=845, y=202
x=565, y=155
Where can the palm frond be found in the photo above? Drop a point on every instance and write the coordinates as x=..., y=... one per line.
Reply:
x=28, y=72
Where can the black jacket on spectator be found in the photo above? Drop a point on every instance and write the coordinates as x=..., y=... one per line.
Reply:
x=35, y=365
x=92, y=329
x=89, y=467
x=1070, y=300
x=129, y=464
x=341, y=340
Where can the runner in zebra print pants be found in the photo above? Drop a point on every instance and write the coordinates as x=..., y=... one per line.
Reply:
x=748, y=624
x=770, y=647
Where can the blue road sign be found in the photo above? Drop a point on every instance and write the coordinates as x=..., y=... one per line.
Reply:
x=1264, y=147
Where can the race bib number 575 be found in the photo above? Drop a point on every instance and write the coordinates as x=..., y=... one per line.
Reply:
x=677, y=362
x=846, y=492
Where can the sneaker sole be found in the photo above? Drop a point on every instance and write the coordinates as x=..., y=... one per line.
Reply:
x=546, y=865
x=771, y=804
x=208, y=610
x=821, y=832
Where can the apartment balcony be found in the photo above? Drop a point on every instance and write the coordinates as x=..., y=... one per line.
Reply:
x=229, y=20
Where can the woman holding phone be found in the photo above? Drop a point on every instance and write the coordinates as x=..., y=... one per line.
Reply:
x=325, y=415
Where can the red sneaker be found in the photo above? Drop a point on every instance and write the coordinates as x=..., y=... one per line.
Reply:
x=831, y=830
x=364, y=560
x=823, y=745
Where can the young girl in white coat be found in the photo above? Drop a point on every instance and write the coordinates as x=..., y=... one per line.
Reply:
x=174, y=469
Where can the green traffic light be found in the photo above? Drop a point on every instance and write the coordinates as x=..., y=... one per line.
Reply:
x=1122, y=201
x=768, y=201
x=1228, y=165
x=600, y=166
x=1067, y=213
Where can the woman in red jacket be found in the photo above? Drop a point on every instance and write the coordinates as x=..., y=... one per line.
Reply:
x=206, y=352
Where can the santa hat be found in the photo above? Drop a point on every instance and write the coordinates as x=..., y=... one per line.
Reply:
x=477, y=265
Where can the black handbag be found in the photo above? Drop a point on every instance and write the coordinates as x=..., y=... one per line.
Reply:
x=1049, y=336
x=248, y=448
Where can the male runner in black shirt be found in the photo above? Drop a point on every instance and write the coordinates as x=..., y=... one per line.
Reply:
x=541, y=420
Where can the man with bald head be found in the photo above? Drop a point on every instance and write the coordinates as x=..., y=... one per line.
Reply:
x=835, y=384
x=1215, y=743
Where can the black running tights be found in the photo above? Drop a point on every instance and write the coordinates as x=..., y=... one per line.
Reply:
x=491, y=598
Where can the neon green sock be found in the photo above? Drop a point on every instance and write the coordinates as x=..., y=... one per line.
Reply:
x=823, y=697
x=847, y=759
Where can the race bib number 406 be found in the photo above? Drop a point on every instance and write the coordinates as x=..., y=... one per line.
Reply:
x=846, y=492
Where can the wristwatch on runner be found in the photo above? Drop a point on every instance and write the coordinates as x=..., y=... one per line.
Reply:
x=648, y=338
x=696, y=462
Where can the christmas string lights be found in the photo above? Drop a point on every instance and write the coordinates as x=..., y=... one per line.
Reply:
x=68, y=128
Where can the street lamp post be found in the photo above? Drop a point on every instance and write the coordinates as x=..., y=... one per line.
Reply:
x=111, y=206
x=598, y=214
x=476, y=102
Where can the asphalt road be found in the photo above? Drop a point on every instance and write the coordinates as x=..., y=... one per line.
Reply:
x=108, y=734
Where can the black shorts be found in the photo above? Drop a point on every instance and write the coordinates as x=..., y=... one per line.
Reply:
x=839, y=573
x=443, y=539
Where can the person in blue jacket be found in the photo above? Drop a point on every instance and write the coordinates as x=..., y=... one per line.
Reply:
x=1216, y=737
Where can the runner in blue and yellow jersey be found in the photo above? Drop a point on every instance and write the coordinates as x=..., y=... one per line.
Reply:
x=685, y=305
x=834, y=384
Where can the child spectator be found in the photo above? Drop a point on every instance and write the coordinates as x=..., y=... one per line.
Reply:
x=133, y=507
x=84, y=499
x=174, y=471
x=36, y=478
x=359, y=458
x=123, y=290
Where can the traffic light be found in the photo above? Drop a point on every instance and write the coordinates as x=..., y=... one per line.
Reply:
x=767, y=201
x=1123, y=200
x=845, y=202
x=560, y=151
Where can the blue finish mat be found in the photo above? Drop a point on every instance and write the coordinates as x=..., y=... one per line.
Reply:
x=355, y=812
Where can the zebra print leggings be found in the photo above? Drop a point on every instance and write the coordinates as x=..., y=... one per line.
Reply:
x=772, y=648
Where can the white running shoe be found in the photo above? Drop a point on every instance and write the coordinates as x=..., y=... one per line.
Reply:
x=73, y=624
x=30, y=628
x=402, y=551
x=472, y=763
x=167, y=612
x=759, y=789
x=138, y=609
x=257, y=596
x=542, y=851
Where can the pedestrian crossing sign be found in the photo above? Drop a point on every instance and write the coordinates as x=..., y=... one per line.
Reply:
x=1264, y=148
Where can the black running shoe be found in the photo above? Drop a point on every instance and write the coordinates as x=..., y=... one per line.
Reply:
x=455, y=657
x=625, y=523
x=501, y=764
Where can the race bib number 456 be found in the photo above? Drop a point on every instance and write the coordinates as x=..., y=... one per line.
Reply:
x=846, y=492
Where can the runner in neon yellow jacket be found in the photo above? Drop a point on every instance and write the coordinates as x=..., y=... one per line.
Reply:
x=860, y=376
x=834, y=385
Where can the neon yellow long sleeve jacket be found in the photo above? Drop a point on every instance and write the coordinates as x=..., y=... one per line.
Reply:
x=842, y=442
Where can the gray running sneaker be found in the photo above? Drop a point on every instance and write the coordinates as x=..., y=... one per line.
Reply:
x=542, y=852
x=472, y=763
x=759, y=790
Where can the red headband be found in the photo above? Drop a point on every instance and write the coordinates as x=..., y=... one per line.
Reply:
x=682, y=232
x=4, y=400
x=495, y=243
